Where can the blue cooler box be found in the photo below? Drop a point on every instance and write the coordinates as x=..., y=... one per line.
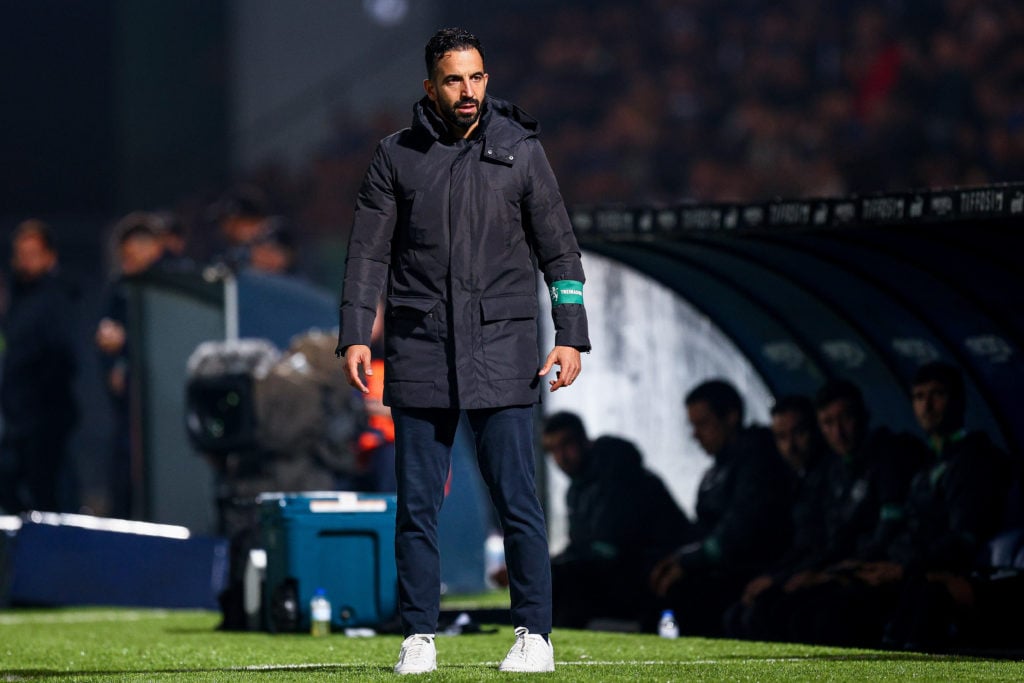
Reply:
x=342, y=542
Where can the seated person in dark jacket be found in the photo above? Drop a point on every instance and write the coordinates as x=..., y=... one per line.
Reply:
x=953, y=506
x=795, y=430
x=865, y=488
x=621, y=520
x=743, y=507
x=867, y=480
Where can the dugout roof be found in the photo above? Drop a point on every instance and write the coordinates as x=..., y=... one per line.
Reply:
x=866, y=288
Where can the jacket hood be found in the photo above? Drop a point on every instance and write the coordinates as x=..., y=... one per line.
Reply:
x=513, y=114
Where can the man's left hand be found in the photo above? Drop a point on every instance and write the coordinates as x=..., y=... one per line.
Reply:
x=568, y=360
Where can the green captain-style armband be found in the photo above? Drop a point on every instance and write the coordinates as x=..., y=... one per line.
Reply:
x=566, y=292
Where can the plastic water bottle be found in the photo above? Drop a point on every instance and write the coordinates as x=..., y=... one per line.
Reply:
x=494, y=558
x=667, y=626
x=319, y=614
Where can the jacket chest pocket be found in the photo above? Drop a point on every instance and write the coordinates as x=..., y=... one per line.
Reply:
x=414, y=215
x=505, y=187
x=503, y=177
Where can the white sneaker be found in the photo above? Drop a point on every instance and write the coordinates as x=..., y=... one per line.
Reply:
x=418, y=655
x=530, y=654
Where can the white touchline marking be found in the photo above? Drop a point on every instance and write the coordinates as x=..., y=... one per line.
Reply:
x=588, y=662
x=79, y=618
x=300, y=667
x=661, y=662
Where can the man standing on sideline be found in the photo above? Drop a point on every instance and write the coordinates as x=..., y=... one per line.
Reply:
x=37, y=395
x=453, y=215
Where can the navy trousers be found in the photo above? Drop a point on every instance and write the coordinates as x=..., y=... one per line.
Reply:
x=504, y=444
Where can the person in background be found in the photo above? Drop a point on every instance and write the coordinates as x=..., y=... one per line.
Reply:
x=39, y=366
x=795, y=430
x=621, y=520
x=953, y=506
x=174, y=240
x=242, y=218
x=273, y=249
x=140, y=249
x=868, y=479
x=743, y=508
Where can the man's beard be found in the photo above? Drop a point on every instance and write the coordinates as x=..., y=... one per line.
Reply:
x=463, y=121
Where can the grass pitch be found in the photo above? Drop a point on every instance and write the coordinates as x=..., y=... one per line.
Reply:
x=159, y=645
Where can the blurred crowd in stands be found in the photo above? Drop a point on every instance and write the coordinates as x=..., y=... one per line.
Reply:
x=665, y=101
x=740, y=100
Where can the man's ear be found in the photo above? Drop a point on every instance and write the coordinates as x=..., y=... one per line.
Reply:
x=428, y=87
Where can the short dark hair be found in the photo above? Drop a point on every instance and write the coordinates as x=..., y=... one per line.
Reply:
x=243, y=201
x=170, y=222
x=38, y=229
x=137, y=224
x=841, y=390
x=949, y=376
x=796, y=403
x=721, y=397
x=446, y=40
x=566, y=422
x=277, y=231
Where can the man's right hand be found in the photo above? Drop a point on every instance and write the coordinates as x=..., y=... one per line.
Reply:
x=110, y=336
x=355, y=356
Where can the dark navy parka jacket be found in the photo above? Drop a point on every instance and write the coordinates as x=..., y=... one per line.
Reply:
x=456, y=229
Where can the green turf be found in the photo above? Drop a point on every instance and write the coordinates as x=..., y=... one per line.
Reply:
x=489, y=599
x=155, y=645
